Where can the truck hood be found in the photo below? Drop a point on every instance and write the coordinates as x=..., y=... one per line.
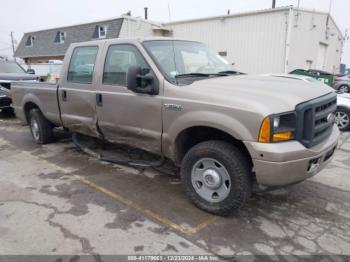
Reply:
x=17, y=77
x=271, y=94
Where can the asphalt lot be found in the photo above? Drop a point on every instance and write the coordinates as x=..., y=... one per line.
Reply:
x=54, y=200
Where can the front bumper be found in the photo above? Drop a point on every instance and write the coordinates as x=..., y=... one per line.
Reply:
x=5, y=102
x=279, y=164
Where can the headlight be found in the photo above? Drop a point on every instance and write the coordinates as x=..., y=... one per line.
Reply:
x=278, y=128
x=276, y=122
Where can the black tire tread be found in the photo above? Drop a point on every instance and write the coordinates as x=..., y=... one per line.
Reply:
x=234, y=160
x=45, y=127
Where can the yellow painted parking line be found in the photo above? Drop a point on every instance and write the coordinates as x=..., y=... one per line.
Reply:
x=187, y=230
x=203, y=225
x=183, y=229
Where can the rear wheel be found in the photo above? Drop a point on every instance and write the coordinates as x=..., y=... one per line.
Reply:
x=40, y=127
x=217, y=177
x=342, y=118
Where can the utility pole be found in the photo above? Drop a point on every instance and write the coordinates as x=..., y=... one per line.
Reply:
x=146, y=13
x=13, y=46
x=330, y=6
x=273, y=3
x=329, y=12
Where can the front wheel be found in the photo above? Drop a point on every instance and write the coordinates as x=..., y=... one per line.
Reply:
x=342, y=118
x=344, y=89
x=40, y=127
x=217, y=177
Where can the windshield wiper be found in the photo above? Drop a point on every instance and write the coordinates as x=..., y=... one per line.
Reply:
x=222, y=73
x=192, y=75
x=230, y=72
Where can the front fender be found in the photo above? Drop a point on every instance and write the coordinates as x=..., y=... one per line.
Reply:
x=220, y=121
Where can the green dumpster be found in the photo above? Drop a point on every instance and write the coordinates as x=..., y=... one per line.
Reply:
x=324, y=77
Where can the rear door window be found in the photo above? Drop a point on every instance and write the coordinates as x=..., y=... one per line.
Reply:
x=82, y=64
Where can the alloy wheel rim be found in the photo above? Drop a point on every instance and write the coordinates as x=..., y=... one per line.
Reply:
x=344, y=89
x=342, y=119
x=210, y=180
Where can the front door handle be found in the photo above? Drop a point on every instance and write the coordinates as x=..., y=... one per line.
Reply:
x=64, y=95
x=99, y=99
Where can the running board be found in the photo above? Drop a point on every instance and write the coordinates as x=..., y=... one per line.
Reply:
x=115, y=160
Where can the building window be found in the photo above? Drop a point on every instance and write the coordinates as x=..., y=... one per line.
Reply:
x=30, y=41
x=100, y=32
x=60, y=37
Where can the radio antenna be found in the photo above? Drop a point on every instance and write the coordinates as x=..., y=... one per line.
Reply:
x=172, y=40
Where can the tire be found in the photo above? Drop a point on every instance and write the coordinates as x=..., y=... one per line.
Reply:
x=342, y=118
x=230, y=163
x=345, y=88
x=40, y=127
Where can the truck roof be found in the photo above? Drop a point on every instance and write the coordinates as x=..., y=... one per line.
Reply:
x=139, y=39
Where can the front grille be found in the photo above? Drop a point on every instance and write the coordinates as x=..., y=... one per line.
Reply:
x=5, y=102
x=313, y=125
x=6, y=85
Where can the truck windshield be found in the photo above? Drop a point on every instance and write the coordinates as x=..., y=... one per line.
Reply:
x=10, y=67
x=178, y=59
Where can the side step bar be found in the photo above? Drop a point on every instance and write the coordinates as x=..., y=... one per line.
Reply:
x=115, y=160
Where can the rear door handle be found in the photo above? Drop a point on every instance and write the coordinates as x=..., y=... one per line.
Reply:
x=99, y=99
x=64, y=95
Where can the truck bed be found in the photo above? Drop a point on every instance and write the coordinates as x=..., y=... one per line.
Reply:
x=43, y=94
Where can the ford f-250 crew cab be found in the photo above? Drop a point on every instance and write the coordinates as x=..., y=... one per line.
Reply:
x=182, y=101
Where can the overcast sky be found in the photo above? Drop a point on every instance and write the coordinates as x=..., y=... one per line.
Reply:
x=22, y=16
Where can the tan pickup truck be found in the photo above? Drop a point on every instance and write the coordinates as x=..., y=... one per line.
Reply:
x=184, y=102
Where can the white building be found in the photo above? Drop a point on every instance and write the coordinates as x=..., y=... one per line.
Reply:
x=269, y=41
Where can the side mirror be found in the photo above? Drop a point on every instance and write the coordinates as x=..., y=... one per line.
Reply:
x=31, y=71
x=139, y=83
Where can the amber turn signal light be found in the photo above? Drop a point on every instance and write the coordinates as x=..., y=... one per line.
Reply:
x=284, y=136
x=265, y=131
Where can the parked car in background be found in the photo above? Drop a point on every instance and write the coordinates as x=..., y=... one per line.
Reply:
x=323, y=76
x=11, y=71
x=342, y=83
x=342, y=114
